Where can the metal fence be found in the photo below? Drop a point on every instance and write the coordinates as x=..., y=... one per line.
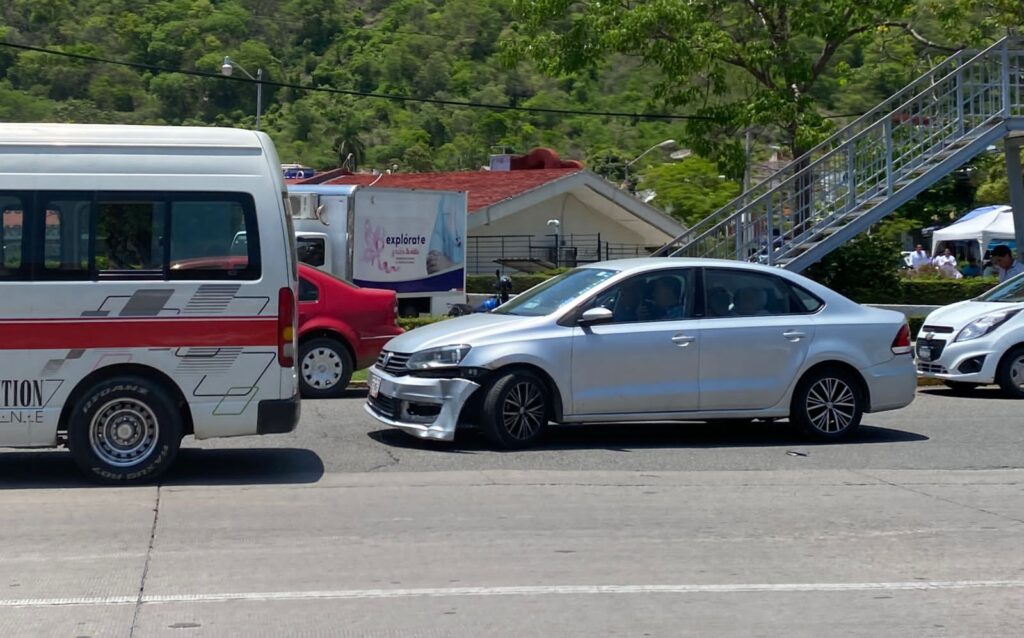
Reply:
x=485, y=254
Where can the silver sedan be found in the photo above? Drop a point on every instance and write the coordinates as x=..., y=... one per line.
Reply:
x=649, y=340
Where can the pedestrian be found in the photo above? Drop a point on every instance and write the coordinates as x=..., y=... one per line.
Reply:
x=1006, y=265
x=919, y=258
x=946, y=264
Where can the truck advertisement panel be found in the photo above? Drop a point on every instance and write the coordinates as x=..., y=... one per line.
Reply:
x=409, y=241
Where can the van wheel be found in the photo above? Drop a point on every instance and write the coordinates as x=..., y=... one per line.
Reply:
x=515, y=410
x=325, y=368
x=125, y=430
x=1011, y=373
x=828, y=404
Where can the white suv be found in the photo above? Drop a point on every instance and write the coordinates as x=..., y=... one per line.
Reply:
x=977, y=342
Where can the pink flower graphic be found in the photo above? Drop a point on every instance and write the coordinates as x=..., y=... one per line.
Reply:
x=373, y=236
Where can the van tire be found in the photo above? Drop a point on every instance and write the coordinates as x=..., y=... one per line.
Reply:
x=334, y=357
x=120, y=418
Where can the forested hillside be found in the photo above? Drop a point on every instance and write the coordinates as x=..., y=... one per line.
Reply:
x=453, y=50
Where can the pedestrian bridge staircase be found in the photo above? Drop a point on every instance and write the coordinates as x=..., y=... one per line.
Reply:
x=870, y=168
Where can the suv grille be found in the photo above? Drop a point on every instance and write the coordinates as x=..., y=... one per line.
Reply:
x=933, y=368
x=393, y=363
x=939, y=330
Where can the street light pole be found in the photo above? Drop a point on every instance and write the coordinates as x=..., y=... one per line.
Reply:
x=665, y=144
x=228, y=67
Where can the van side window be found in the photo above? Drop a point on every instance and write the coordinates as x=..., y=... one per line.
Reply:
x=213, y=237
x=66, y=224
x=12, y=212
x=312, y=250
x=129, y=235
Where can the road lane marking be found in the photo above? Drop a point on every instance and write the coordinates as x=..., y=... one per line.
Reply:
x=527, y=590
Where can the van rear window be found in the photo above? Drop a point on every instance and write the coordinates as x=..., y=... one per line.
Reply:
x=129, y=235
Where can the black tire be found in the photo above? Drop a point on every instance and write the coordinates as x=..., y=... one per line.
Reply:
x=961, y=387
x=518, y=390
x=325, y=368
x=125, y=430
x=1010, y=375
x=828, y=404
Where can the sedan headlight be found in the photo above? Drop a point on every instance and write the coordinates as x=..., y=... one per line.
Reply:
x=984, y=325
x=443, y=357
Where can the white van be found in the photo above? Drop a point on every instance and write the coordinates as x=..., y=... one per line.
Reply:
x=126, y=322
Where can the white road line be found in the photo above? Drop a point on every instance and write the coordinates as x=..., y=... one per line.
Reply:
x=529, y=590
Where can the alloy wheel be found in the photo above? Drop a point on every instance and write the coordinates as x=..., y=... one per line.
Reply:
x=831, y=405
x=523, y=411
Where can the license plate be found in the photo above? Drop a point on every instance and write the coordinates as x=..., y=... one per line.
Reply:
x=374, y=383
x=924, y=353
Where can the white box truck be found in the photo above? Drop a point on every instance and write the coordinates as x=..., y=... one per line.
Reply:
x=411, y=241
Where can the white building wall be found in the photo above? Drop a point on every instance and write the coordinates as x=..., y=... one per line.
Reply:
x=575, y=218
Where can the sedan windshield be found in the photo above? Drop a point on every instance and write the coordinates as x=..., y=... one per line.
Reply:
x=1010, y=291
x=555, y=292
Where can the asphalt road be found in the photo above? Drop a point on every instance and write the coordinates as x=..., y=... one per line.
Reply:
x=344, y=528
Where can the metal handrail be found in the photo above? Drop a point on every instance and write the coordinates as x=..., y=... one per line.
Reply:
x=742, y=199
x=926, y=146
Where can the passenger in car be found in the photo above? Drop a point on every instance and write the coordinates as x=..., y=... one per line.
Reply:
x=751, y=302
x=720, y=303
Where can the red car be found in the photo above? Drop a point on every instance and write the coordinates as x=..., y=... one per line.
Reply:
x=342, y=328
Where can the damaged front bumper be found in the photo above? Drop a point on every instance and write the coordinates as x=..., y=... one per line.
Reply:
x=426, y=408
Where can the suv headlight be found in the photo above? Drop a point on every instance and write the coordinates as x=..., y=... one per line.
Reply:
x=984, y=325
x=443, y=357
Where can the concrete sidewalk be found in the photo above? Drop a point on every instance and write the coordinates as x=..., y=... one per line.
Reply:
x=531, y=553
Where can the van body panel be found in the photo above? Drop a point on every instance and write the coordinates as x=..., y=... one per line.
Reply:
x=75, y=200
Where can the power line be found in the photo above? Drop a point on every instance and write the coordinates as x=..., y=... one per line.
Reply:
x=336, y=91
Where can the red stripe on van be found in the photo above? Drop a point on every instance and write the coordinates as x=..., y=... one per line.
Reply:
x=72, y=334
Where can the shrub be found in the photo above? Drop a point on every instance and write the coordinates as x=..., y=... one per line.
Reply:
x=410, y=323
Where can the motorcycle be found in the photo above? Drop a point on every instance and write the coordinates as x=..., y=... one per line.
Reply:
x=502, y=293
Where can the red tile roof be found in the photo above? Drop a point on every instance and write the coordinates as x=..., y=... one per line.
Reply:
x=485, y=188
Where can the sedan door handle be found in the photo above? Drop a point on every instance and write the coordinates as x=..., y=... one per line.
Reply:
x=794, y=335
x=683, y=340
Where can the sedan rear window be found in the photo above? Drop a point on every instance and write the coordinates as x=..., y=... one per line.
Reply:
x=556, y=292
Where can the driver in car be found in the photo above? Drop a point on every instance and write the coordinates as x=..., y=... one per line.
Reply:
x=667, y=301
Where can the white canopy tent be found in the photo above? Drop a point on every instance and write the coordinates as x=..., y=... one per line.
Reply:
x=976, y=233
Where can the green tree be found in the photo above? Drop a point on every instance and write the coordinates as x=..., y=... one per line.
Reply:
x=735, y=63
x=689, y=190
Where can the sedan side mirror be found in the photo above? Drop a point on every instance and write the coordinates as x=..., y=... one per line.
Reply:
x=595, y=316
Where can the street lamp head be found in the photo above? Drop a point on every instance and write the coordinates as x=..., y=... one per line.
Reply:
x=667, y=144
x=227, y=68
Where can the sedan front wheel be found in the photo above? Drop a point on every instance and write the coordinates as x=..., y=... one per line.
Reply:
x=515, y=410
x=828, y=404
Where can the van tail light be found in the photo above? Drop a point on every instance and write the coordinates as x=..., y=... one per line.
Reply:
x=286, y=327
x=901, y=344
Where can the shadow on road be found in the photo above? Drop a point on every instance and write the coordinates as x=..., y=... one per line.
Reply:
x=633, y=436
x=229, y=466
x=989, y=393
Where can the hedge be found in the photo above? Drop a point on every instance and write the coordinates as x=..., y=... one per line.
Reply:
x=931, y=292
x=408, y=323
x=484, y=284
